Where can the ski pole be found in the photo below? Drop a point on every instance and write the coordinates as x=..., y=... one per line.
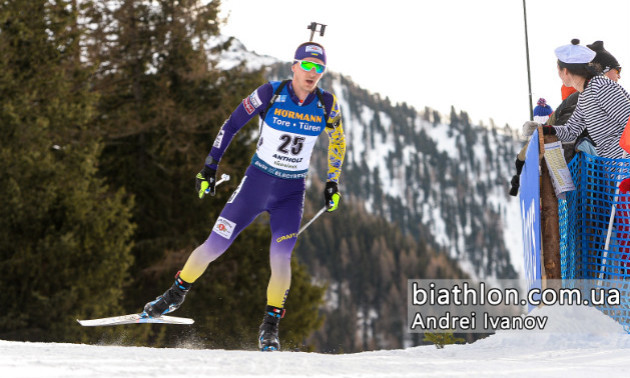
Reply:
x=320, y=212
x=224, y=178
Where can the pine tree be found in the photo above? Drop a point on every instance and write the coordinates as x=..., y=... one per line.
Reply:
x=64, y=236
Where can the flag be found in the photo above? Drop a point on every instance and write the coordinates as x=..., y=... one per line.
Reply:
x=624, y=142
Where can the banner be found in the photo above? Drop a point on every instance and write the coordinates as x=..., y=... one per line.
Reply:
x=530, y=215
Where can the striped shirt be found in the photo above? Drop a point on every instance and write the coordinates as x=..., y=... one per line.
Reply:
x=603, y=109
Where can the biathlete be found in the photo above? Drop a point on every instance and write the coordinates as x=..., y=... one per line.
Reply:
x=292, y=115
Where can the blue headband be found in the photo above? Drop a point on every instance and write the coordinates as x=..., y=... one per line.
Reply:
x=310, y=50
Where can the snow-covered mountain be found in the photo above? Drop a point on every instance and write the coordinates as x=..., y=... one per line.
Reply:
x=228, y=52
x=446, y=173
x=421, y=167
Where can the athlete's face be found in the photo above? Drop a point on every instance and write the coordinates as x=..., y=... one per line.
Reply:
x=304, y=82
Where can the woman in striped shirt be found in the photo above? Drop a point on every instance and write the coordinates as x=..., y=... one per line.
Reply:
x=603, y=107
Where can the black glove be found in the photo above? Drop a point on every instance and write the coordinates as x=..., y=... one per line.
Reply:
x=332, y=196
x=205, y=180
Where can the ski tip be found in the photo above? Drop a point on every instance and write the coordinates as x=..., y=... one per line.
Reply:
x=84, y=323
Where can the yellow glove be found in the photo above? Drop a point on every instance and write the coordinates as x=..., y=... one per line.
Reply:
x=332, y=196
x=205, y=181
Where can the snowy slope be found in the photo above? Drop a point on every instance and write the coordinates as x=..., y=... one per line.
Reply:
x=577, y=342
x=235, y=54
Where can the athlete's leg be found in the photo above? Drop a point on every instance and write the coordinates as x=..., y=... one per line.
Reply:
x=247, y=202
x=285, y=217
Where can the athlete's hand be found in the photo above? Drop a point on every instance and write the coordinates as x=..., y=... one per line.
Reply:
x=332, y=196
x=205, y=180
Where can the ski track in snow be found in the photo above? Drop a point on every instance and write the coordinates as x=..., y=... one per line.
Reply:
x=578, y=341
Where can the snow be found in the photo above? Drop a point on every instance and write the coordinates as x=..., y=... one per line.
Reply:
x=444, y=143
x=236, y=54
x=577, y=342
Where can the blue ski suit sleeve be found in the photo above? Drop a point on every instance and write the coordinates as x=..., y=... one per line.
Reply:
x=252, y=105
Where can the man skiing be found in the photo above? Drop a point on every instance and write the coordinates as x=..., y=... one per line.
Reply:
x=292, y=115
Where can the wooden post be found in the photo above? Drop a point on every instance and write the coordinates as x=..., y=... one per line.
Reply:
x=550, y=229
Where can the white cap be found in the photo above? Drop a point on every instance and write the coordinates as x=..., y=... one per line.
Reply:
x=574, y=53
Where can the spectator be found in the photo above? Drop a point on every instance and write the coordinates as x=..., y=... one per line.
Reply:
x=602, y=62
x=542, y=111
x=609, y=66
x=603, y=106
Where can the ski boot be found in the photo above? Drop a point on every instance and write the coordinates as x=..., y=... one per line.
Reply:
x=170, y=300
x=268, y=337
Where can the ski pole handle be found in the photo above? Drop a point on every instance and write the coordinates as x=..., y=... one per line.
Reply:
x=224, y=178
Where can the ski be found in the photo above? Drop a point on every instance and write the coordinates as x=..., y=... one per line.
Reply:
x=134, y=319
